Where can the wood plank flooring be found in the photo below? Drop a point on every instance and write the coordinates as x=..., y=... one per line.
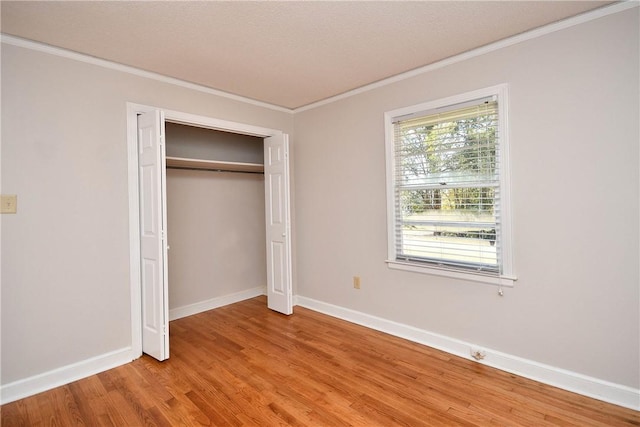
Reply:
x=244, y=365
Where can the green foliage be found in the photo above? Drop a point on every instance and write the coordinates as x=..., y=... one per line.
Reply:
x=459, y=156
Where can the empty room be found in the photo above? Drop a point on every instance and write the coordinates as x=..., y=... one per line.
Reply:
x=366, y=213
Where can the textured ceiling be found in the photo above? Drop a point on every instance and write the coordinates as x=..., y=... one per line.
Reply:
x=288, y=54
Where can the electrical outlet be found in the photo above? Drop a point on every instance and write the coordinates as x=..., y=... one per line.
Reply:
x=478, y=353
x=8, y=203
x=356, y=282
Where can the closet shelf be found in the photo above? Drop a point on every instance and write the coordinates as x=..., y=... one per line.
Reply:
x=181, y=162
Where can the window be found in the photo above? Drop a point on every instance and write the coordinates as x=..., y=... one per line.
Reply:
x=448, y=187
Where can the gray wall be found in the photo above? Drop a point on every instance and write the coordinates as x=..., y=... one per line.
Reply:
x=574, y=140
x=208, y=144
x=65, y=254
x=216, y=230
x=574, y=158
x=215, y=220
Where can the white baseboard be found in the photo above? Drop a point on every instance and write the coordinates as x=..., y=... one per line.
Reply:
x=593, y=387
x=571, y=381
x=64, y=375
x=76, y=371
x=199, y=307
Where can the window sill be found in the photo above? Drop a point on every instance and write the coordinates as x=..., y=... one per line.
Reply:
x=506, y=281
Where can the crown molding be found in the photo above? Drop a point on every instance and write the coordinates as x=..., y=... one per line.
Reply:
x=529, y=35
x=69, y=54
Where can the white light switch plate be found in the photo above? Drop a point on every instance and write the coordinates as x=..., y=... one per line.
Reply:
x=8, y=203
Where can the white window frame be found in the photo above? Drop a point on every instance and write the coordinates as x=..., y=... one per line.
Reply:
x=506, y=277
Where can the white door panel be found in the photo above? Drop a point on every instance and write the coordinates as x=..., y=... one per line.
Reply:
x=276, y=172
x=153, y=248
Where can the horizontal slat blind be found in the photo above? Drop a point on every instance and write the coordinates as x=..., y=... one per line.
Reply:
x=447, y=187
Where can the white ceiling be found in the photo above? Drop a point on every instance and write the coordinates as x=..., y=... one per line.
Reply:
x=288, y=54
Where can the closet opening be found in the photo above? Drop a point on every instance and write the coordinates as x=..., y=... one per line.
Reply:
x=215, y=217
x=219, y=224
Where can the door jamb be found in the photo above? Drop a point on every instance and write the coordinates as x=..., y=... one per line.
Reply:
x=133, y=110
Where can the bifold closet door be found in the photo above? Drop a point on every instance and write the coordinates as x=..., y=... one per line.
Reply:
x=276, y=181
x=153, y=225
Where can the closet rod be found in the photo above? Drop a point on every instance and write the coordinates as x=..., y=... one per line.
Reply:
x=213, y=170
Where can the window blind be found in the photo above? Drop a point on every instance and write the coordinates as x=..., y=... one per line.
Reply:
x=447, y=187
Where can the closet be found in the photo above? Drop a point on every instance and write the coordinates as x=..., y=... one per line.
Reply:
x=215, y=216
x=227, y=225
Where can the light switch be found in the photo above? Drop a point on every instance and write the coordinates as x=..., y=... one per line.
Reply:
x=8, y=203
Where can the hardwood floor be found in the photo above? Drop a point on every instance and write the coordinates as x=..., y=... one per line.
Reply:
x=245, y=365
